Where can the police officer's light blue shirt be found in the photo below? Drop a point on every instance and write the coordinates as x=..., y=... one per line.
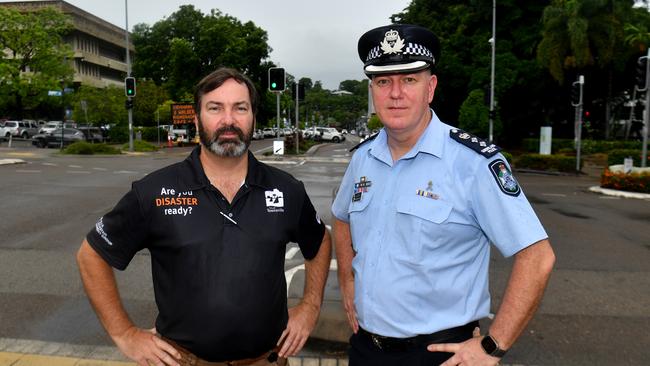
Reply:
x=421, y=229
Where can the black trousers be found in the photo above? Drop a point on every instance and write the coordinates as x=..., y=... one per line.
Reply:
x=364, y=353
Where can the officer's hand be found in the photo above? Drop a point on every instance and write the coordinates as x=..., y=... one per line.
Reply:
x=468, y=353
x=145, y=348
x=302, y=320
x=347, y=297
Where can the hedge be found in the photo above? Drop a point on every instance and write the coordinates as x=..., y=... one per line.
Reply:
x=546, y=162
x=633, y=182
x=618, y=156
x=586, y=146
x=86, y=148
x=141, y=146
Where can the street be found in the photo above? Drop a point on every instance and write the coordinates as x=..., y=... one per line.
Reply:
x=595, y=311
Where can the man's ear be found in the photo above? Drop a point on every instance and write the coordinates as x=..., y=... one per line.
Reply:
x=433, y=82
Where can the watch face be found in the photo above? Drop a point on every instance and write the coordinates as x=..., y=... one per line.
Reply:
x=489, y=346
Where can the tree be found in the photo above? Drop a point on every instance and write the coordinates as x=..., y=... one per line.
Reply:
x=34, y=57
x=104, y=106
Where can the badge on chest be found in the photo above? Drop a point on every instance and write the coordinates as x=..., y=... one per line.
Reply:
x=360, y=188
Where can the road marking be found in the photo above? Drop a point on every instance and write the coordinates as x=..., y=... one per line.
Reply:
x=302, y=162
x=288, y=275
x=124, y=172
x=27, y=171
x=609, y=198
x=75, y=166
x=49, y=164
x=77, y=172
x=291, y=252
x=100, y=169
x=279, y=162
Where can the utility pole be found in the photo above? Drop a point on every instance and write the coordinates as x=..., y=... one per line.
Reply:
x=493, y=42
x=646, y=117
x=128, y=74
x=297, y=117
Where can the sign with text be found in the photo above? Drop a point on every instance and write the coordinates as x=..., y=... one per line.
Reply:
x=182, y=113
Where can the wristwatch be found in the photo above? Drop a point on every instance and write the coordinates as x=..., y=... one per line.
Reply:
x=491, y=347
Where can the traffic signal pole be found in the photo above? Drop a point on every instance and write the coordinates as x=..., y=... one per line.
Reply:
x=297, y=116
x=578, y=128
x=646, y=118
x=128, y=74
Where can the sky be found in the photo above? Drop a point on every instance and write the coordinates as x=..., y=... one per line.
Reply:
x=315, y=39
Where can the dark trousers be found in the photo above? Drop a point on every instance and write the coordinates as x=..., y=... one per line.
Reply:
x=363, y=352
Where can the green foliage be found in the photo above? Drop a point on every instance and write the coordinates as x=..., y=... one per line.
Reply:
x=86, y=148
x=474, y=115
x=559, y=163
x=508, y=156
x=151, y=134
x=634, y=182
x=32, y=61
x=532, y=145
x=141, y=146
x=603, y=146
x=374, y=123
x=118, y=134
x=104, y=105
x=617, y=156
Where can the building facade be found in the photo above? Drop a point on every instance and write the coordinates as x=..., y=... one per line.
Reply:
x=99, y=46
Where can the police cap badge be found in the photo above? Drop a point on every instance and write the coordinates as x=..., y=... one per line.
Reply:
x=398, y=48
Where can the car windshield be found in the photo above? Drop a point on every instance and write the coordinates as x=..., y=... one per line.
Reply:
x=11, y=124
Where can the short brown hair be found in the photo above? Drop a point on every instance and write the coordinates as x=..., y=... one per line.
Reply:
x=216, y=79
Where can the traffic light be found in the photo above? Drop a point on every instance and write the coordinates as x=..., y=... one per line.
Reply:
x=276, y=79
x=129, y=86
x=301, y=92
x=128, y=104
x=641, y=69
x=575, y=94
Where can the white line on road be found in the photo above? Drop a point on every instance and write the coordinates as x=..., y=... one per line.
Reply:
x=302, y=162
x=27, y=171
x=124, y=172
x=291, y=252
x=100, y=169
x=279, y=162
x=50, y=164
x=75, y=166
x=77, y=172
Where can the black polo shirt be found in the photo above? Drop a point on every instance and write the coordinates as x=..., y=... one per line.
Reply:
x=218, y=268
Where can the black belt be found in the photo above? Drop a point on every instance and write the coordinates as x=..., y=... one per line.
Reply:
x=391, y=344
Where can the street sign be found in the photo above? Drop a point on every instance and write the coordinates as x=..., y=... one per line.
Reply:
x=182, y=113
x=54, y=93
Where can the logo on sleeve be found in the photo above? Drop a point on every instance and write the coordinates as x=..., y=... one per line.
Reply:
x=99, y=227
x=505, y=180
x=274, y=200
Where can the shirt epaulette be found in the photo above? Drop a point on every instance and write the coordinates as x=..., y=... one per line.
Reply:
x=475, y=143
x=372, y=137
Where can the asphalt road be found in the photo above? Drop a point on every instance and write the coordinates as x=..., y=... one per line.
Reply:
x=595, y=312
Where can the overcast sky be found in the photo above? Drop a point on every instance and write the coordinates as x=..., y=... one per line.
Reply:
x=315, y=39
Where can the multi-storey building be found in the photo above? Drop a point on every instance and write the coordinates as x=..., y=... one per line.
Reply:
x=99, y=46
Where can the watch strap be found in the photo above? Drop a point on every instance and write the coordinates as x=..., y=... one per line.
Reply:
x=496, y=352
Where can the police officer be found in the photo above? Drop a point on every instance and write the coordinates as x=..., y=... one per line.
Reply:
x=415, y=215
x=216, y=226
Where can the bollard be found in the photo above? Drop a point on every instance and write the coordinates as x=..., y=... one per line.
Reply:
x=10, y=139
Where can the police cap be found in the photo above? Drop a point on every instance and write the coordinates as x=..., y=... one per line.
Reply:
x=398, y=48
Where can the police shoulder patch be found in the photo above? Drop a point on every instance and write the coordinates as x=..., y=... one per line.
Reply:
x=505, y=180
x=475, y=143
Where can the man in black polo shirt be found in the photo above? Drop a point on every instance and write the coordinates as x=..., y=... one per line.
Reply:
x=216, y=226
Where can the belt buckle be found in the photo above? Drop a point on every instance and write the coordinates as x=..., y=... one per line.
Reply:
x=376, y=341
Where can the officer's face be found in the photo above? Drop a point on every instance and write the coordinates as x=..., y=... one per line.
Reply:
x=225, y=123
x=402, y=100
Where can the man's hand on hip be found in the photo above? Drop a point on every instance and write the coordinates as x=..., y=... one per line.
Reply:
x=302, y=320
x=146, y=348
x=468, y=353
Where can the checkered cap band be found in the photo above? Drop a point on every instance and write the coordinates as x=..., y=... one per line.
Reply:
x=411, y=49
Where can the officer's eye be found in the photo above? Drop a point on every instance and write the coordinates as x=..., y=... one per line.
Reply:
x=382, y=82
x=409, y=80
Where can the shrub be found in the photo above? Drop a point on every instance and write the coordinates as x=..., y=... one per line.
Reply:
x=633, y=182
x=118, y=134
x=86, y=148
x=141, y=146
x=151, y=134
x=547, y=162
x=508, y=156
x=586, y=146
x=617, y=156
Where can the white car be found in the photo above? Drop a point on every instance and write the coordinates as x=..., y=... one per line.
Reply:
x=328, y=134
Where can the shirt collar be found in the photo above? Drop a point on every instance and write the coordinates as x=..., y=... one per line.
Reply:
x=193, y=176
x=430, y=142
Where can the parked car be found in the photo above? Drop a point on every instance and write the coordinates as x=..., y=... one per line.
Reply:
x=268, y=132
x=52, y=125
x=258, y=134
x=70, y=135
x=24, y=129
x=92, y=134
x=328, y=134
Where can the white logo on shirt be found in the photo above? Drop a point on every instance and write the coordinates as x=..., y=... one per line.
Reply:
x=99, y=227
x=274, y=200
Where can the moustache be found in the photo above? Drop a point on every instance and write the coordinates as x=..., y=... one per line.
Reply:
x=228, y=129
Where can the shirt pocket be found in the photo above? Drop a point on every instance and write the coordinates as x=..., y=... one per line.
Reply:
x=418, y=220
x=360, y=220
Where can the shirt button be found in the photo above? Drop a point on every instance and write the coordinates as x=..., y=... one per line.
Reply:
x=230, y=214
